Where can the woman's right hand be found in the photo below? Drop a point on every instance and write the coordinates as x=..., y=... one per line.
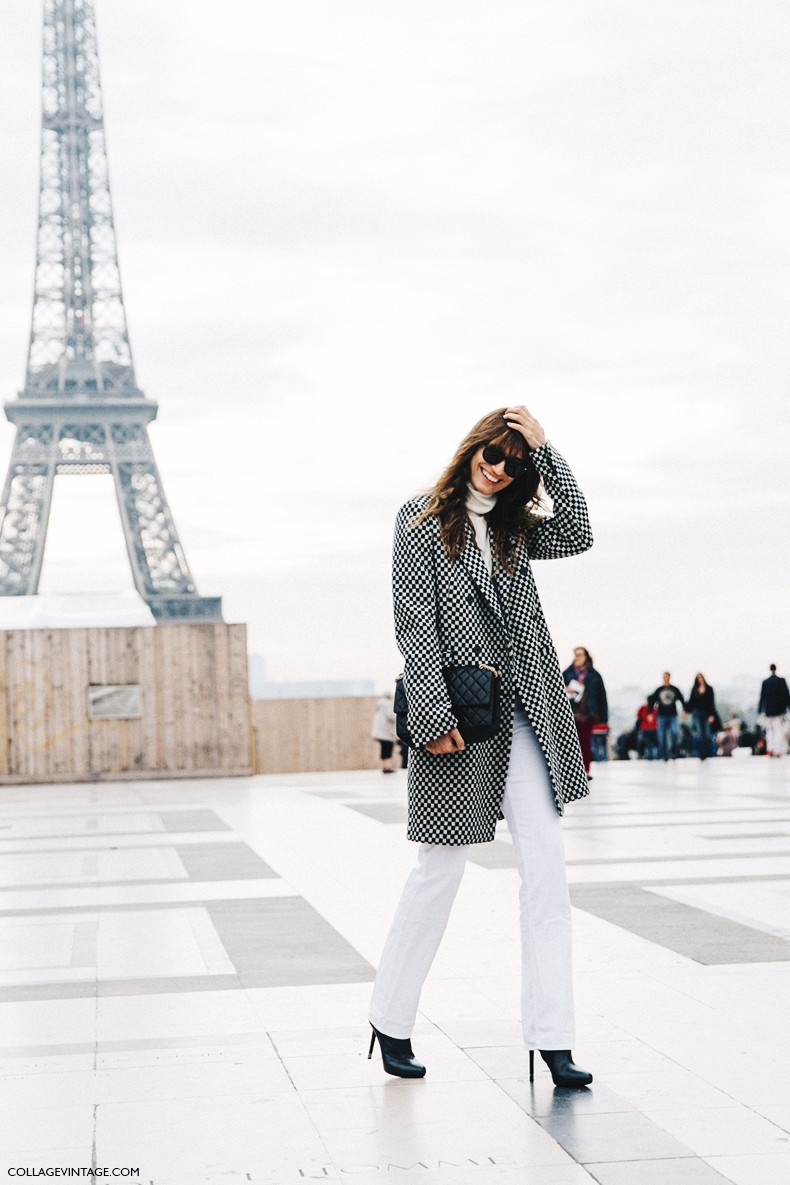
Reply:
x=451, y=742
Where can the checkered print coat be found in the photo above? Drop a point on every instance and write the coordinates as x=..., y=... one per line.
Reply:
x=451, y=613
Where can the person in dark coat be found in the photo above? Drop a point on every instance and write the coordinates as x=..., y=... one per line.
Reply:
x=774, y=702
x=463, y=594
x=706, y=722
x=587, y=694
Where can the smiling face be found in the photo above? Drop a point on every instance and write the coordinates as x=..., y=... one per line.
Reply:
x=485, y=478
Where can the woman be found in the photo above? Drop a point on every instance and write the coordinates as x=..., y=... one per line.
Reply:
x=587, y=694
x=702, y=706
x=383, y=731
x=464, y=593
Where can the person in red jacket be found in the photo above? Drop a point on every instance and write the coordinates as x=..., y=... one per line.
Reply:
x=647, y=738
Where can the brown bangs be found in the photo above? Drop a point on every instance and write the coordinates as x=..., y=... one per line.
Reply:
x=512, y=444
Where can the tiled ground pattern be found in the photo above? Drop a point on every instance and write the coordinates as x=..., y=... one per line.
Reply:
x=185, y=968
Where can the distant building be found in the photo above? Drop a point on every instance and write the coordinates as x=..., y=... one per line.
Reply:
x=322, y=689
x=263, y=688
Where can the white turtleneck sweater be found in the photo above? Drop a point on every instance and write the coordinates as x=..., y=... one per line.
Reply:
x=477, y=506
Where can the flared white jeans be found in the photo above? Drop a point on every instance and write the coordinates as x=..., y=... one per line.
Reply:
x=775, y=737
x=421, y=917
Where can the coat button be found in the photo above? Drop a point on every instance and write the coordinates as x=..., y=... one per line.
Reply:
x=477, y=651
x=470, y=598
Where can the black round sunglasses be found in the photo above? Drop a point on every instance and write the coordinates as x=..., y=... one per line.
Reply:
x=493, y=454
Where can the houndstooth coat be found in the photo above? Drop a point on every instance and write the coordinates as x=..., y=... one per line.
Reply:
x=451, y=613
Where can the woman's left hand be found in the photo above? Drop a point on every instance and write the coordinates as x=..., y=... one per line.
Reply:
x=521, y=420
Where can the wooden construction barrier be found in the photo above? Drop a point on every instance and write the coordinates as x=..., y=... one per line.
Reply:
x=120, y=702
x=314, y=735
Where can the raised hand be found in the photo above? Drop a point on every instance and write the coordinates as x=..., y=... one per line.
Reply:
x=523, y=421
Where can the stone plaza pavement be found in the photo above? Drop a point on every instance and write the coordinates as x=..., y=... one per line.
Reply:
x=185, y=969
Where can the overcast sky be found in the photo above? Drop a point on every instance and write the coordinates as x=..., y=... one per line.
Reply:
x=348, y=229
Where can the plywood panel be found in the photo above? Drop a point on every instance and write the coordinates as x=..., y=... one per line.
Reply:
x=30, y=693
x=223, y=696
x=311, y=735
x=169, y=675
x=195, y=707
x=4, y=723
x=237, y=679
x=150, y=685
x=79, y=733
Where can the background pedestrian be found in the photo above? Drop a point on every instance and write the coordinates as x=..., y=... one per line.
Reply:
x=587, y=694
x=665, y=699
x=773, y=705
x=384, y=731
x=647, y=732
x=705, y=720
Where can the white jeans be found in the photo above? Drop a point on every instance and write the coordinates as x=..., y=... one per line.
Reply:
x=423, y=911
x=776, y=735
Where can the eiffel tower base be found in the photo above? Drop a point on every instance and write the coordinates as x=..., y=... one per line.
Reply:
x=108, y=438
x=185, y=609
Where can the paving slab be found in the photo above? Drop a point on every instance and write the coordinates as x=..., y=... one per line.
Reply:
x=185, y=969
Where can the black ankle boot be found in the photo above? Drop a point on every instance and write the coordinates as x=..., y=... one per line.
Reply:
x=397, y=1055
x=563, y=1070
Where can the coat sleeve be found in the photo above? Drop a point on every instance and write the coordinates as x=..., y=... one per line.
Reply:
x=414, y=594
x=567, y=530
x=605, y=702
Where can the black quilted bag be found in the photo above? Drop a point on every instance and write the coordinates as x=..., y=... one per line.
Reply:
x=474, y=695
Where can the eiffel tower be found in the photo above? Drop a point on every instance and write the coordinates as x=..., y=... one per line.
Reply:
x=81, y=410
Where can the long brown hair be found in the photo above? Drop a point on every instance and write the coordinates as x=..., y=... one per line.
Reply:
x=513, y=516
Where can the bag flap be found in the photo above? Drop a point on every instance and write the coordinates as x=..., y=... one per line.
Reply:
x=469, y=686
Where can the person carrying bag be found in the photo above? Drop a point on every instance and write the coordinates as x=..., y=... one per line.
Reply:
x=465, y=598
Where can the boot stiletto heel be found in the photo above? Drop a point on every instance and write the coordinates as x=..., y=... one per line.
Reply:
x=397, y=1055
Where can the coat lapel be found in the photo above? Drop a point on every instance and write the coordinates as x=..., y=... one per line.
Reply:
x=473, y=562
x=504, y=585
x=506, y=581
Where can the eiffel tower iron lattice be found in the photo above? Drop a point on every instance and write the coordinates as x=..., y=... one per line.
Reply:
x=81, y=410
